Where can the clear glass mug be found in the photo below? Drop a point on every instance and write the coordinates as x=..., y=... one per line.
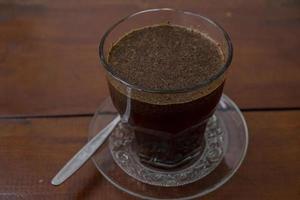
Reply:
x=168, y=125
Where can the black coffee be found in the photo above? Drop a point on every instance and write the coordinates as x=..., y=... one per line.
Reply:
x=169, y=129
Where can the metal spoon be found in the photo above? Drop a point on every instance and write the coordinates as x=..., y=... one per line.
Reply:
x=84, y=154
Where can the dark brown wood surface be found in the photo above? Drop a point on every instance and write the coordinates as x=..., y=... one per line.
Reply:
x=50, y=77
x=33, y=150
x=49, y=61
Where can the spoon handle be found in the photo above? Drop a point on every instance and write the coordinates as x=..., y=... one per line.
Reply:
x=84, y=154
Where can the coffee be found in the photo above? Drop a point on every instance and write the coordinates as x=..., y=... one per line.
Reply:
x=169, y=127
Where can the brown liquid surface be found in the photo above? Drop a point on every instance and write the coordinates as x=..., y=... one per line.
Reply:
x=166, y=57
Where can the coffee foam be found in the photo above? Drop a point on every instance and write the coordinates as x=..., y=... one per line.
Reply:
x=177, y=78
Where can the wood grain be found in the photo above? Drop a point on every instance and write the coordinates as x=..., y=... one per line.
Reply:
x=33, y=150
x=49, y=61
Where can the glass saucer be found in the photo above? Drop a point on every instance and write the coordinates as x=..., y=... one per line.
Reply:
x=226, y=145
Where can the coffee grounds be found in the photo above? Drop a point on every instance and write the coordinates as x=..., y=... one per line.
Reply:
x=165, y=57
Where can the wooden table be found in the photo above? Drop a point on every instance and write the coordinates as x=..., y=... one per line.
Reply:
x=51, y=83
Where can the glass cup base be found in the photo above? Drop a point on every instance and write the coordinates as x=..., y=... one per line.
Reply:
x=226, y=141
x=122, y=147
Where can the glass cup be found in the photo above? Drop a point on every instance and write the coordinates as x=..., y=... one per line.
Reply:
x=168, y=125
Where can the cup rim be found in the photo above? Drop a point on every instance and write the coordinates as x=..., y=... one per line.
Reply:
x=201, y=84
